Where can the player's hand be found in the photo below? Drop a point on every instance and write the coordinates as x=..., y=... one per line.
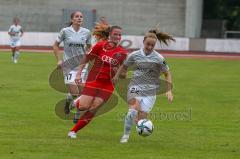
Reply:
x=169, y=96
x=78, y=80
x=59, y=64
x=114, y=80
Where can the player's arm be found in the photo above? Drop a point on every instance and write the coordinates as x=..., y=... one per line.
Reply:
x=122, y=70
x=168, y=78
x=91, y=54
x=10, y=32
x=56, y=51
x=82, y=64
x=89, y=43
x=21, y=30
x=88, y=48
x=56, y=48
x=121, y=73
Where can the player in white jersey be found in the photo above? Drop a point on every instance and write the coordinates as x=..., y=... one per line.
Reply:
x=144, y=85
x=77, y=42
x=16, y=32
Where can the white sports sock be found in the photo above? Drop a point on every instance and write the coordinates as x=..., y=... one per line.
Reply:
x=16, y=55
x=129, y=119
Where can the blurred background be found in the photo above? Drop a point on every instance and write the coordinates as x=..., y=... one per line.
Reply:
x=194, y=20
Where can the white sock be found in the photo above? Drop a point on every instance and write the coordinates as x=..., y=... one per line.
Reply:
x=16, y=55
x=129, y=119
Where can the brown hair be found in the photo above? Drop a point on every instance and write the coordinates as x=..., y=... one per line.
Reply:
x=158, y=35
x=101, y=30
x=71, y=16
x=16, y=19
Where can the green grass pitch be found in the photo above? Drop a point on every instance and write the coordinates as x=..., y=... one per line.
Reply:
x=202, y=122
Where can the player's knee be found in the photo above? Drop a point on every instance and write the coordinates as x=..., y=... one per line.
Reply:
x=81, y=105
x=133, y=104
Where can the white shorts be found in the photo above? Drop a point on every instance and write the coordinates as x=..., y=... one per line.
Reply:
x=15, y=43
x=70, y=77
x=145, y=98
x=146, y=103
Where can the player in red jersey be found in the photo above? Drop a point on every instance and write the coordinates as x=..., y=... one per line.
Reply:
x=108, y=56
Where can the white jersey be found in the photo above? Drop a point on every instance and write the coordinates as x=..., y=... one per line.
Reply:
x=147, y=68
x=74, y=49
x=74, y=42
x=17, y=30
x=145, y=82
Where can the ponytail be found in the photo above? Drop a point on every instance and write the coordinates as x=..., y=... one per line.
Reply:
x=161, y=36
x=101, y=31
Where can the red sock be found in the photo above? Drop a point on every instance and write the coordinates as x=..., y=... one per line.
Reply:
x=83, y=121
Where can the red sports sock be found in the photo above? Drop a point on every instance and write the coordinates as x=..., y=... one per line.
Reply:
x=83, y=121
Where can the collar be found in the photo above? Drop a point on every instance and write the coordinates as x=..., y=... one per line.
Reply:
x=143, y=53
x=72, y=29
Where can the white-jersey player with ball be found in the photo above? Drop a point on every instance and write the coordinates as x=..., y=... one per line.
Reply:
x=142, y=89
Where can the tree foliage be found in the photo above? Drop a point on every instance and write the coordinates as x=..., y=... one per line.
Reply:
x=225, y=10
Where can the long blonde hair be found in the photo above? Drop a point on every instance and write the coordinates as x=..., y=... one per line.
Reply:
x=158, y=35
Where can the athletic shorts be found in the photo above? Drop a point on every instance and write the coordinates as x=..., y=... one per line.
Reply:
x=69, y=78
x=15, y=43
x=101, y=88
x=146, y=98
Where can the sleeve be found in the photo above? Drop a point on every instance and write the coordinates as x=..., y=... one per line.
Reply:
x=89, y=38
x=129, y=60
x=61, y=36
x=164, y=65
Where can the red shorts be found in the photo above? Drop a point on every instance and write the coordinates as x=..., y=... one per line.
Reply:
x=101, y=88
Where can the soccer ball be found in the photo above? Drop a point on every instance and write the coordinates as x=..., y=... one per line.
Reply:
x=144, y=127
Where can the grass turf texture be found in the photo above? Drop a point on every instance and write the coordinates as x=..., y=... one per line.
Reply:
x=29, y=128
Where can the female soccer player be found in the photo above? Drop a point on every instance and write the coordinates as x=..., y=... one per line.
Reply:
x=108, y=55
x=145, y=82
x=77, y=42
x=16, y=32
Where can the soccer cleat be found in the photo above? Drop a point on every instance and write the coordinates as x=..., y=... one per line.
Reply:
x=72, y=135
x=124, y=139
x=15, y=61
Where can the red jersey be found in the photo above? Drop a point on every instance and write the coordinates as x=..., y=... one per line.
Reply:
x=106, y=61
